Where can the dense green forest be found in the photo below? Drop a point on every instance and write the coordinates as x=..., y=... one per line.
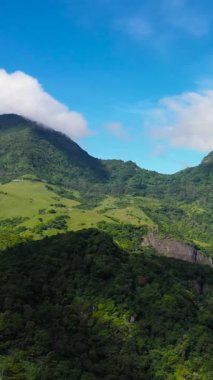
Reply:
x=77, y=307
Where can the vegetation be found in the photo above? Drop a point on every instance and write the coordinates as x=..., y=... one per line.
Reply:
x=29, y=208
x=77, y=307
x=96, y=304
x=26, y=148
x=46, y=168
x=44, y=212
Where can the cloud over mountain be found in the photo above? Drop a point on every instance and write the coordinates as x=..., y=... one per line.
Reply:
x=22, y=94
x=185, y=120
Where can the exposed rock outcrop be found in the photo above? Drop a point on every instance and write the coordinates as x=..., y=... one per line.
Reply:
x=176, y=249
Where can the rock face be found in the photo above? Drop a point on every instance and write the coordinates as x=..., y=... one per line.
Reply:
x=176, y=249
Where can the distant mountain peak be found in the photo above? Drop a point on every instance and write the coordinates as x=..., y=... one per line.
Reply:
x=12, y=119
x=208, y=159
x=29, y=147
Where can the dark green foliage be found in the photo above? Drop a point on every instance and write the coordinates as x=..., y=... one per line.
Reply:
x=28, y=148
x=10, y=230
x=76, y=307
x=126, y=235
x=58, y=223
x=11, y=222
x=188, y=185
x=185, y=225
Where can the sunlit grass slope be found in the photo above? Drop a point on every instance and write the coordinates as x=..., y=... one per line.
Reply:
x=32, y=208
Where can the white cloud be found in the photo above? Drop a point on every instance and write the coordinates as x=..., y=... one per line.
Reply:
x=22, y=94
x=118, y=131
x=185, y=120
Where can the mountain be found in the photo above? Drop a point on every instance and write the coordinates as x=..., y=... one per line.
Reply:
x=101, y=302
x=77, y=307
x=190, y=184
x=29, y=148
x=102, y=193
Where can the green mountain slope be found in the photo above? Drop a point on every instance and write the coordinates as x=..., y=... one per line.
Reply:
x=110, y=191
x=187, y=185
x=29, y=148
x=76, y=307
x=208, y=161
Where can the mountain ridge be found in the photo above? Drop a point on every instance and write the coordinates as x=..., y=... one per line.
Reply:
x=11, y=120
x=113, y=191
x=52, y=156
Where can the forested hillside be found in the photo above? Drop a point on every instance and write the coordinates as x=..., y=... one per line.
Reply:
x=76, y=307
x=29, y=148
x=101, y=192
x=106, y=227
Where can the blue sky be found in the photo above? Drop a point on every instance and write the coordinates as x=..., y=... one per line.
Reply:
x=138, y=74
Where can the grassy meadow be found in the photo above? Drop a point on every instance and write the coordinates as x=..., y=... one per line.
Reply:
x=30, y=207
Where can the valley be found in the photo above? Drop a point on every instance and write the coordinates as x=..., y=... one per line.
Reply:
x=50, y=185
x=106, y=190
x=105, y=268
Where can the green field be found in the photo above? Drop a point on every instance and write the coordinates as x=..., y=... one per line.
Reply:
x=34, y=209
x=28, y=206
x=27, y=198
